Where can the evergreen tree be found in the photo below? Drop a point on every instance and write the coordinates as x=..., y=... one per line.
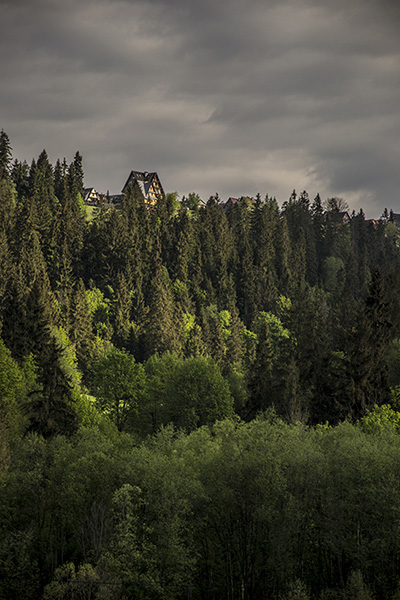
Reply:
x=318, y=221
x=5, y=155
x=78, y=174
x=82, y=327
x=161, y=331
x=122, y=311
x=367, y=344
x=265, y=225
x=20, y=177
x=261, y=378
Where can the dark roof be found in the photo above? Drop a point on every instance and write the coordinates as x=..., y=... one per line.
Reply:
x=396, y=218
x=232, y=200
x=144, y=180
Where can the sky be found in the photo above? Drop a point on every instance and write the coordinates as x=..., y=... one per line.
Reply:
x=235, y=97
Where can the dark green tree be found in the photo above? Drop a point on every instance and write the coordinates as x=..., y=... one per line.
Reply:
x=5, y=155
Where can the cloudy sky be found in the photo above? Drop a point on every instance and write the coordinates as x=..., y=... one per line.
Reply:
x=228, y=96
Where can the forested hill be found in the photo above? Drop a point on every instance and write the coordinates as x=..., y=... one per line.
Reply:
x=119, y=322
x=295, y=307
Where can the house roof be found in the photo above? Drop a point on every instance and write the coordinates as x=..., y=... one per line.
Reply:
x=396, y=218
x=144, y=180
x=232, y=200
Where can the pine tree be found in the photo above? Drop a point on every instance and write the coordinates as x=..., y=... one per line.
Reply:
x=51, y=409
x=78, y=173
x=20, y=177
x=367, y=345
x=283, y=259
x=82, y=327
x=318, y=221
x=6, y=271
x=161, y=331
x=47, y=208
x=5, y=155
x=122, y=311
x=261, y=377
x=265, y=224
x=234, y=344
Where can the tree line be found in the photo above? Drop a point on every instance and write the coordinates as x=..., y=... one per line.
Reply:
x=117, y=325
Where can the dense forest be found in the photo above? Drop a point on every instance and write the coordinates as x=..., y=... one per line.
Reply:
x=195, y=401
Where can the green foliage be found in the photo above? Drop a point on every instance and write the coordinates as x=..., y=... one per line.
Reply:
x=334, y=275
x=356, y=588
x=198, y=394
x=393, y=362
x=187, y=392
x=70, y=583
x=5, y=155
x=154, y=324
x=297, y=591
x=118, y=383
x=381, y=417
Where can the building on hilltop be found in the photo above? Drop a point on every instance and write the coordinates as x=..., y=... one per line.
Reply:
x=244, y=199
x=91, y=196
x=395, y=218
x=148, y=184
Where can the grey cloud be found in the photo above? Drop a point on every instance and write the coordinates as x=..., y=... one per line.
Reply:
x=228, y=96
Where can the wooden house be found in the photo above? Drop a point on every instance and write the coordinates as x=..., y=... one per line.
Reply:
x=91, y=197
x=148, y=184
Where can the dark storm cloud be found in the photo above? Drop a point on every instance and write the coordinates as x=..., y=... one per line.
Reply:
x=228, y=96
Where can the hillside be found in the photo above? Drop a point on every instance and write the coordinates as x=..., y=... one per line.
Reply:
x=184, y=390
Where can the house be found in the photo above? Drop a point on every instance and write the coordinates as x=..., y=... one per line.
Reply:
x=90, y=196
x=245, y=199
x=395, y=217
x=337, y=217
x=345, y=217
x=149, y=185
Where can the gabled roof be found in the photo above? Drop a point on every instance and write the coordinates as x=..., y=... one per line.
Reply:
x=144, y=180
x=90, y=196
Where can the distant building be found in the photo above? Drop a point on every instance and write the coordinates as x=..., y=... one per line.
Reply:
x=395, y=218
x=91, y=196
x=148, y=184
x=231, y=201
x=337, y=217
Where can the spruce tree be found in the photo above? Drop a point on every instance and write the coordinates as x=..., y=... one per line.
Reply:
x=122, y=311
x=264, y=231
x=82, y=327
x=367, y=344
x=20, y=177
x=5, y=155
x=261, y=377
x=161, y=331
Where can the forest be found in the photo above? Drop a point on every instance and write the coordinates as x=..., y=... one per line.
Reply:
x=195, y=402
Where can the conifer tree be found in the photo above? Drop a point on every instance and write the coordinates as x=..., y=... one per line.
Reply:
x=367, y=344
x=212, y=334
x=47, y=209
x=82, y=327
x=20, y=177
x=51, y=409
x=5, y=155
x=283, y=259
x=78, y=174
x=261, y=377
x=264, y=231
x=161, y=331
x=234, y=344
x=122, y=311
x=7, y=206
